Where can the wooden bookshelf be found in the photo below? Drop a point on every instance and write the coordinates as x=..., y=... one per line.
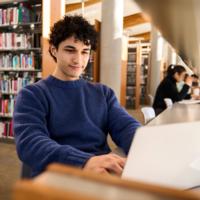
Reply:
x=10, y=69
x=137, y=74
x=20, y=53
x=20, y=49
x=8, y=93
x=7, y=140
x=20, y=24
x=6, y=115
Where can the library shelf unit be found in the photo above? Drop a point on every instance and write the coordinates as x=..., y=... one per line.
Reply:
x=137, y=74
x=20, y=54
x=89, y=71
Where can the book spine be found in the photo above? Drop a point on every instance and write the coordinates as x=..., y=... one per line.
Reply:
x=1, y=129
x=1, y=15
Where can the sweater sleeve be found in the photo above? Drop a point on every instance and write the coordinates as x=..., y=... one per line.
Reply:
x=33, y=142
x=121, y=125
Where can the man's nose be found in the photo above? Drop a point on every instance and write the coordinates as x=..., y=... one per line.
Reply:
x=77, y=58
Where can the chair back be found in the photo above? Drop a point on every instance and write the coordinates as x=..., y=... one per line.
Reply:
x=168, y=102
x=148, y=113
x=151, y=99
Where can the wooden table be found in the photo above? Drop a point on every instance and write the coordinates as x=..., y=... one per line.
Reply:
x=67, y=183
x=178, y=113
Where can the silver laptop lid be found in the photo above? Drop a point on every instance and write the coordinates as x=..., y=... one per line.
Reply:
x=166, y=155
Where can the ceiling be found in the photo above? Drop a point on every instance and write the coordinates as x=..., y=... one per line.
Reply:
x=93, y=12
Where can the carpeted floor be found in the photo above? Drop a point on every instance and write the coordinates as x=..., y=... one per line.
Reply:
x=9, y=169
x=10, y=164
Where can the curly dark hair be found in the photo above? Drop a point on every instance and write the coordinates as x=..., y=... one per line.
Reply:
x=75, y=26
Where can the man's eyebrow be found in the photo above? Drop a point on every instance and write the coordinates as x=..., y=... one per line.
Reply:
x=87, y=49
x=69, y=47
x=74, y=48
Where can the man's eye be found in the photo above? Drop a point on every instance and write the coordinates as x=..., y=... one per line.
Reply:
x=70, y=50
x=85, y=52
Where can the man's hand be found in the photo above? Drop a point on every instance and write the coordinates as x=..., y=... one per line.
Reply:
x=109, y=163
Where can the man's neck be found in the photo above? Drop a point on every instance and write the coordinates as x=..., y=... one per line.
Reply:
x=64, y=77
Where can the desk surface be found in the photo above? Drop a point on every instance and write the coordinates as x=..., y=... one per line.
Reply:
x=178, y=113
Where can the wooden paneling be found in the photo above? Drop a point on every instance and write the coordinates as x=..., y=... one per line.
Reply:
x=133, y=20
x=75, y=6
x=123, y=83
x=138, y=88
x=96, y=66
x=48, y=64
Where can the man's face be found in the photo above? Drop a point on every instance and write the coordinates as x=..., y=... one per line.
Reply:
x=72, y=57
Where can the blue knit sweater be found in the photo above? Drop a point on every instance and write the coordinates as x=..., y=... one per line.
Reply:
x=68, y=122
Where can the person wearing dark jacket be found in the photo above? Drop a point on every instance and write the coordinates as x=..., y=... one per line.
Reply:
x=168, y=88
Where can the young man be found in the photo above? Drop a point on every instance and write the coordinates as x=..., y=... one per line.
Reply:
x=66, y=119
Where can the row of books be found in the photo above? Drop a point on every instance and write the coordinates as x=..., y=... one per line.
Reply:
x=13, y=85
x=15, y=15
x=131, y=68
x=88, y=73
x=130, y=90
x=132, y=57
x=131, y=79
x=11, y=40
x=7, y=106
x=6, y=129
x=130, y=102
x=20, y=61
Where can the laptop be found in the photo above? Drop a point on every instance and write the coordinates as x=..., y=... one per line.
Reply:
x=167, y=155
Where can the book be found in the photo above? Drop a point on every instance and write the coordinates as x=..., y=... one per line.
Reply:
x=1, y=129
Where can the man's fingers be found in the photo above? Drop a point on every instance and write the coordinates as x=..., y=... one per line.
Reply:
x=109, y=163
x=120, y=159
x=114, y=168
x=102, y=171
x=114, y=164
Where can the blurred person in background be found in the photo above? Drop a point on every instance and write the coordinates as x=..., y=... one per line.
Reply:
x=168, y=87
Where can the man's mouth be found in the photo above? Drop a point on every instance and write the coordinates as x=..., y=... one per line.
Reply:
x=75, y=67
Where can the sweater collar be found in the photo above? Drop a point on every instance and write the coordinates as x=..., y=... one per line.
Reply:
x=65, y=84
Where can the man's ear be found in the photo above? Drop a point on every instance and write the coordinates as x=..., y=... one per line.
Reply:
x=53, y=50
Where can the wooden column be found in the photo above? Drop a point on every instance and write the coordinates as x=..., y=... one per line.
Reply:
x=52, y=11
x=96, y=67
x=124, y=71
x=138, y=66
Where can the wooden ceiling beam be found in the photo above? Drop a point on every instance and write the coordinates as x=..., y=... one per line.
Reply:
x=133, y=20
x=142, y=36
x=76, y=6
x=145, y=35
